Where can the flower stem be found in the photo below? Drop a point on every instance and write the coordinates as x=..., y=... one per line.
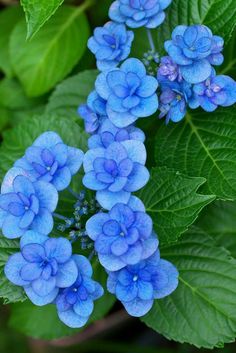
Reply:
x=150, y=39
x=56, y=215
x=73, y=193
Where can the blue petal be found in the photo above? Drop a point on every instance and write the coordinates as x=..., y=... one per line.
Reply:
x=126, y=293
x=43, y=222
x=99, y=291
x=62, y=179
x=95, y=224
x=71, y=319
x=145, y=290
x=31, y=237
x=112, y=281
x=23, y=185
x=67, y=274
x=150, y=245
x=177, y=55
x=136, y=151
x=33, y=252
x=197, y=72
x=148, y=87
x=138, y=307
x=115, y=14
x=31, y=271
x=147, y=107
x=11, y=229
x=27, y=219
x=84, y=308
x=121, y=119
x=138, y=178
x=133, y=255
x=143, y=223
x=111, y=262
x=75, y=159
x=44, y=288
x=47, y=195
x=136, y=204
x=83, y=265
x=91, y=156
x=102, y=87
x=59, y=249
x=135, y=66
x=7, y=184
x=13, y=267
x=163, y=287
x=156, y=21
x=40, y=300
x=108, y=199
x=91, y=182
x=47, y=139
x=116, y=151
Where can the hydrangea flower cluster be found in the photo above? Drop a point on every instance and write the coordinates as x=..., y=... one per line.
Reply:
x=45, y=266
x=114, y=166
x=187, y=77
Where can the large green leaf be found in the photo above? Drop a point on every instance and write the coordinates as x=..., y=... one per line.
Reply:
x=219, y=221
x=202, y=311
x=72, y=92
x=43, y=322
x=8, y=292
x=171, y=199
x=8, y=18
x=23, y=135
x=50, y=56
x=202, y=145
x=37, y=12
x=229, y=65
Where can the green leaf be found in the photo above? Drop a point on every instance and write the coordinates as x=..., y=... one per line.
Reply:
x=202, y=311
x=5, y=117
x=72, y=92
x=8, y=18
x=219, y=221
x=12, y=95
x=8, y=291
x=171, y=199
x=23, y=135
x=202, y=145
x=50, y=56
x=37, y=12
x=43, y=322
x=229, y=65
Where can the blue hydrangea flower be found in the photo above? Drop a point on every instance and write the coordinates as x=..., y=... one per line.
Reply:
x=111, y=44
x=195, y=49
x=130, y=93
x=168, y=70
x=75, y=304
x=124, y=236
x=109, y=133
x=50, y=160
x=115, y=172
x=139, y=13
x=42, y=267
x=215, y=91
x=175, y=98
x=93, y=112
x=25, y=205
x=137, y=286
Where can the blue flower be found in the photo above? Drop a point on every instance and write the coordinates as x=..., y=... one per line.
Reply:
x=175, y=98
x=42, y=267
x=93, y=112
x=110, y=44
x=139, y=13
x=75, y=304
x=124, y=236
x=50, y=160
x=115, y=172
x=25, y=205
x=168, y=70
x=216, y=90
x=195, y=49
x=137, y=286
x=109, y=133
x=130, y=93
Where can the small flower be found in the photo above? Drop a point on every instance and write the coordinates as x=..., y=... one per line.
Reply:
x=216, y=90
x=139, y=13
x=115, y=172
x=109, y=133
x=195, y=49
x=175, y=98
x=50, y=160
x=130, y=93
x=124, y=236
x=42, y=267
x=75, y=304
x=26, y=205
x=111, y=44
x=93, y=112
x=168, y=70
x=137, y=286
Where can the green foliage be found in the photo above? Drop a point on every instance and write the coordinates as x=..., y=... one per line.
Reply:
x=8, y=18
x=23, y=135
x=202, y=310
x=72, y=92
x=37, y=12
x=50, y=56
x=202, y=145
x=171, y=199
x=43, y=322
x=8, y=291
